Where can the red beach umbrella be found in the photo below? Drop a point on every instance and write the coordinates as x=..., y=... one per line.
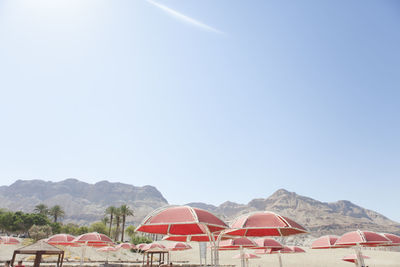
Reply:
x=152, y=245
x=395, y=239
x=325, y=242
x=62, y=240
x=177, y=246
x=181, y=220
x=362, y=238
x=264, y=223
x=267, y=243
x=353, y=258
x=238, y=243
x=9, y=240
x=94, y=240
x=126, y=246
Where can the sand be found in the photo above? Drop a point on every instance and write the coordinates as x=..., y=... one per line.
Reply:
x=312, y=258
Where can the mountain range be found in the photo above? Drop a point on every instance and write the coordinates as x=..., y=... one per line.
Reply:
x=85, y=203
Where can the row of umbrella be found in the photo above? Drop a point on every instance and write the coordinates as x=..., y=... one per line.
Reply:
x=356, y=239
x=186, y=223
x=194, y=224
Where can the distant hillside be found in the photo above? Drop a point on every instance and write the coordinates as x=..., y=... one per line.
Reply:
x=318, y=217
x=83, y=203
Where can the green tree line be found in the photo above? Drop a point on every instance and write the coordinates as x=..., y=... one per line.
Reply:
x=45, y=221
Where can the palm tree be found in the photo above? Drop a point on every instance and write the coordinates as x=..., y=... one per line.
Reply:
x=110, y=210
x=117, y=214
x=56, y=212
x=41, y=209
x=125, y=212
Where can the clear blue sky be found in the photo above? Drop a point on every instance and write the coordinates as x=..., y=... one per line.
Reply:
x=206, y=100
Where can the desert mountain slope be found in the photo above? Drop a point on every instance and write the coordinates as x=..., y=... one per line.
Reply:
x=83, y=203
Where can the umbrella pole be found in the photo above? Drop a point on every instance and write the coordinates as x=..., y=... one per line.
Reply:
x=242, y=260
x=360, y=260
x=280, y=259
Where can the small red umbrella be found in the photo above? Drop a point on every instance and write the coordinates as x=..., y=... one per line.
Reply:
x=126, y=246
x=325, y=242
x=362, y=238
x=62, y=240
x=152, y=245
x=181, y=220
x=177, y=246
x=9, y=240
x=267, y=243
x=237, y=243
x=264, y=223
x=94, y=240
x=353, y=258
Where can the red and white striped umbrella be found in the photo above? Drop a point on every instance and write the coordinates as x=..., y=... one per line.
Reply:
x=362, y=238
x=94, y=240
x=181, y=220
x=267, y=243
x=325, y=242
x=152, y=245
x=264, y=223
x=237, y=243
x=9, y=240
x=62, y=240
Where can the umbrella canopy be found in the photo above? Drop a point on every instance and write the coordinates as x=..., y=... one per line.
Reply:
x=362, y=238
x=9, y=240
x=107, y=248
x=178, y=246
x=264, y=223
x=395, y=239
x=325, y=242
x=238, y=243
x=181, y=220
x=353, y=258
x=153, y=246
x=62, y=239
x=94, y=240
x=245, y=256
x=126, y=246
x=267, y=243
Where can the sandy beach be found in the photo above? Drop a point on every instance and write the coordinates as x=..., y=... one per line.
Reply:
x=312, y=258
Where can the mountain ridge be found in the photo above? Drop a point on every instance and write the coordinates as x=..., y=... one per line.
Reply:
x=85, y=203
